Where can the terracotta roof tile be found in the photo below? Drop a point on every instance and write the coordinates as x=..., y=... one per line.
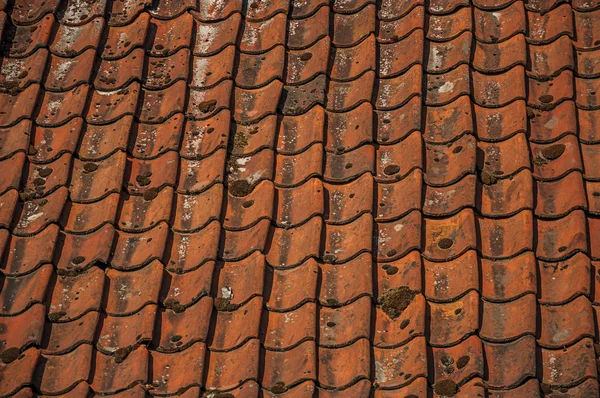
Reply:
x=236, y=199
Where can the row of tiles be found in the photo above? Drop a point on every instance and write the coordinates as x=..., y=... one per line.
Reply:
x=346, y=30
x=333, y=368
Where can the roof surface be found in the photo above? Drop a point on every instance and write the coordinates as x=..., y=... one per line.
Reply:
x=301, y=198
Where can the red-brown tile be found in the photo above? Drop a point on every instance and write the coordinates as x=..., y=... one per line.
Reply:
x=343, y=325
x=64, y=336
x=563, y=325
x=130, y=291
x=234, y=328
x=499, y=123
x=192, y=250
x=206, y=103
x=112, y=375
x=281, y=297
x=233, y=366
x=253, y=168
x=64, y=73
x=121, y=40
x=292, y=170
x=494, y=90
x=301, y=9
x=441, y=201
x=445, y=88
x=132, y=250
x=304, y=32
x=557, y=239
x=568, y=365
x=449, y=238
x=123, y=13
x=256, y=70
x=394, y=199
x=77, y=13
x=452, y=322
x=75, y=295
x=181, y=327
x=499, y=57
x=292, y=209
x=58, y=108
x=203, y=137
x=175, y=372
x=260, y=36
x=451, y=279
x=21, y=41
x=12, y=179
x=8, y=203
x=22, y=331
x=73, y=40
x=396, y=367
x=197, y=176
x=444, y=56
x=503, y=238
x=550, y=202
x=544, y=64
x=18, y=373
x=19, y=106
x=215, y=10
x=461, y=362
x=546, y=94
x=92, y=181
x=60, y=373
x=297, y=100
x=491, y=27
x=35, y=214
x=298, y=132
x=292, y=246
x=354, y=360
x=25, y=254
x=341, y=283
x=506, y=321
x=212, y=37
x=239, y=281
x=305, y=64
x=19, y=293
x=390, y=245
x=25, y=13
x=79, y=252
x=395, y=125
x=503, y=280
x=448, y=163
x=108, y=106
x=193, y=212
x=171, y=35
x=446, y=27
x=349, y=63
x=390, y=332
x=506, y=196
x=283, y=368
x=18, y=73
x=447, y=122
x=349, y=29
x=576, y=269
x=504, y=371
x=546, y=27
x=113, y=74
x=396, y=91
x=282, y=330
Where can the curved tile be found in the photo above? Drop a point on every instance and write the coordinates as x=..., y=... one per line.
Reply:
x=260, y=36
x=20, y=293
x=502, y=322
x=396, y=238
x=62, y=372
x=340, y=367
x=492, y=27
x=396, y=367
x=212, y=37
x=25, y=254
x=454, y=321
x=395, y=199
x=546, y=27
x=128, y=292
x=181, y=327
x=175, y=372
x=237, y=359
x=577, y=269
x=121, y=40
x=448, y=163
x=504, y=280
x=283, y=368
x=112, y=375
x=576, y=363
x=73, y=40
x=500, y=375
x=22, y=41
x=342, y=283
x=170, y=35
x=448, y=280
x=459, y=363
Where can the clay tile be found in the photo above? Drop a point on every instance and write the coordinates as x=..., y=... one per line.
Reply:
x=445, y=6
x=397, y=160
x=36, y=214
x=117, y=73
x=78, y=12
x=388, y=246
x=58, y=108
x=587, y=388
x=245, y=168
x=243, y=212
x=22, y=41
x=234, y=366
x=495, y=124
x=98, y=141
x=246, y=139
x=446, y=27
x=586, y=92
x=563, y=325
x=92, y=181
x=340, y=367
x=590, y=155
x=502, y=238
x=53, y=370
x=349, y=29
x=121, y=40
x=392, y=28
x=165, y=9
x=292, y=170
x=440, y=201
x=24, y=13
x=504, y=321
x=588, y=62
x=417, y=387
x=157, y=106
x=349, y=130
x=551, y=161
x=79, y=252
x=300, y=10
x=171, y=35
x=234, y=328
x=568, y=365
x=498, y=57
x=289, y=211
x=552, y=276
x=256, y=70
x=182, y=327
x=118, y=333
x=148, y=177
x=282, y=296
x=123, y=13
x=19, y=106
x=213, y=10
x=493, y=90
x=108, y=106
x=143, y=212
x=14, y=167
x=207, y=103
x=23, y=330
x=162, y=72
x=445, y=88
x=73, y=40
x=304, y=64
x=112, y=374
x=350, y=165
x=451, y=279
x=47, y=177
x=350, y=62
x=445, y=56
x=152, y=140
x=587, y=121
x=282, y=330
x=288, y=368
x=560, y=238
x=176, y=372
x=394, y=92
x=522, y=353
x=491, y=27
x=210, y=70
x=64, y=336
x=303, y=33
x=25, y=254
x=193, y=212
x=446, y=164
x=507, y=279
x=349, y=201
x=398, y=198
x=546, y=27
x=410, y=321
x=507, y=196
x=18, y=373
x=18, y=73
x=132, y=250
x=545, y=64
x=20, y=293
x=297, y=100
x=593, y=196
x=62, y=74
x=340, y=326
x=342, y=96
x=546, y=94
x=184, y=290
x=239, y=281
x=504, y=158
x=451, y=237
x=15, y=139
x=192, y=250
x=298, y=132
x=238, y=244
x=86, y=217
x=343, y=242
x=260, y=36
x=342, y=283
x=460, y=362
x=203, y=137
x=548, y=125
x=452, y=322
x=131, y=291
x=213, y=37
x=550, y=202
x=396, y=124
x=8, y=201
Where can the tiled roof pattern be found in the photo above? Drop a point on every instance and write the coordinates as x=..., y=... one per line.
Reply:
x=345, y=198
